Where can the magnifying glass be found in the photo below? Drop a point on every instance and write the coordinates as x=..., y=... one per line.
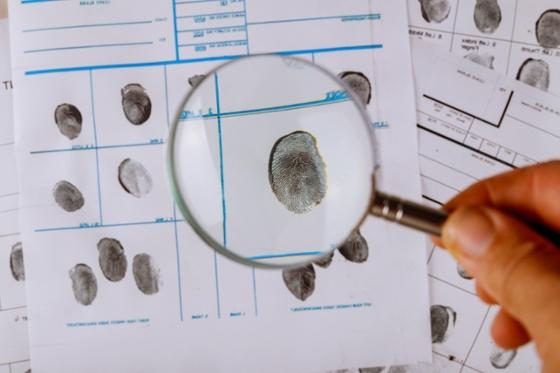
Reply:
x=272, y=161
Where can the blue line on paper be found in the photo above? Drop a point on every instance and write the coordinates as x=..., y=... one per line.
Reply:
x=246, y=28
x=286, y=255
x=100, y=225
x=370, y=16
x=89, y=25
x=38, y=1
x=177, y=253
x=213, y=28
x=196, y=1
x=240, y=13
x=175, y=30
x=224, y=210
x=195, y=60
x=93, y=147
x=89, y=46
x=96, y=151
x=213, y=43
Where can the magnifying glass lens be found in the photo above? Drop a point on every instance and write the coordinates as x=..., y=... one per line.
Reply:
x=271, y=161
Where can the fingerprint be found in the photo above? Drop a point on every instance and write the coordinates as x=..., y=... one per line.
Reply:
x=300, y=281
x=486, y=59
x=435, y=10
x=67, y=196
x=464, y=274
x=136, y=103
x=297, y=173
x=371, y=370
x=146, y=274
x=68, y=120
x=84, y=284
x=355, y=249
x=487, y=16
x=16, y=262
x=535, y=73
x=359, y=84
x=443, y=322
x=196, y=79
x=112, y=259
x=500, y=358
x=134, y=178
x=325, y=261
x=398, y=369
x=548, y=29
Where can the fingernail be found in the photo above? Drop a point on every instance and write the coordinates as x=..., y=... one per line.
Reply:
x=468, y=232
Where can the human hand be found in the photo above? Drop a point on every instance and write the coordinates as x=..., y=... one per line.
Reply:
x=489, y=232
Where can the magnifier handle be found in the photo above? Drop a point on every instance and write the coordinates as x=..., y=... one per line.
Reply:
x=410, y=214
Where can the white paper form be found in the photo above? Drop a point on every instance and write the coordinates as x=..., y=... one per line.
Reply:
x=474, y=123
x=512, y=37
x=14, y=350
x=208, y=314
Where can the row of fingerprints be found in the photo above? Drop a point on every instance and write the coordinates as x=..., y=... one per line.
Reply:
x=487, y=17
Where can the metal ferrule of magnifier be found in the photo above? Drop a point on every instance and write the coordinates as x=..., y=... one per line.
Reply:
x=410, y=214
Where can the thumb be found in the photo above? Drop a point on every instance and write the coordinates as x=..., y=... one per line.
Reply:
x=517, y=267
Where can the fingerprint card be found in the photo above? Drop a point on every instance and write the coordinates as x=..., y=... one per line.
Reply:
x=14, y=348
x=519, y=38
x=114, y=271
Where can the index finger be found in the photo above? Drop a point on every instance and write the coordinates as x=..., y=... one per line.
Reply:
x=532, y=193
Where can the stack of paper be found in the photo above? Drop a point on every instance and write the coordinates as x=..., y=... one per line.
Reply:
x=115, y=278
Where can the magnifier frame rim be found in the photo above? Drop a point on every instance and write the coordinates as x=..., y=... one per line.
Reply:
x=172, y=175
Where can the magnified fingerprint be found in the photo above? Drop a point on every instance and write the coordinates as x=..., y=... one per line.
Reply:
x=300, y=281
x=359, y=83
x=69, y=120
x=535, y=73
x=134, y=178
x=146, y=274
x=297, y=172
x=487, y=16
x=500, y=358
x=486, y=59
x=84, y=284
x=67, y=196
x=112, y=259
x=16, y=262
x=196, y=79
x=136, y=103
x=355, y=249
x=435, y=11
x=464, y=274
x=443, y=322
x=325, y=261
x=548, y=29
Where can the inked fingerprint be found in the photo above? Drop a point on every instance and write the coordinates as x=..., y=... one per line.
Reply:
x=134, y=178
x=68, y=120
x=112, y=259
x=325, y=261
x=84, y=284
x=371, y=370
x=500, y=358
x=548, y=29
x=196, y=79
x=300, y=281
x=358, y=83
x=443, y=322
x=355, y=249
x=487, y=16
x=435, y=11
x=67, y=196
x=136, y=103
x=464, y=274
x=535, y=73
x=146, y=274
x=486, y=59
x=297, y=172
x=16, y=262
